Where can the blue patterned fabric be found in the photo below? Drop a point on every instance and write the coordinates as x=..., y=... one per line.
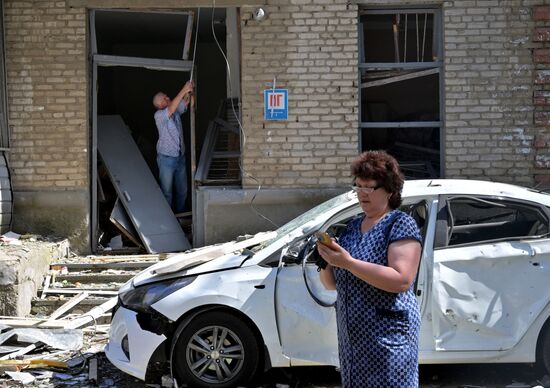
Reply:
x=170, y=141
x=377, y=330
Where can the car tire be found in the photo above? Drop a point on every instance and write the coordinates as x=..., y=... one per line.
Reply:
x=216, y=349
x=543, y=359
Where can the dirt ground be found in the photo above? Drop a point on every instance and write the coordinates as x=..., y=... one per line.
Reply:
x=431, y=376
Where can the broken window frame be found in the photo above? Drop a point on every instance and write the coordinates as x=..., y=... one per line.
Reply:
x=455, y=222
x=419, y=69
x=103, y=60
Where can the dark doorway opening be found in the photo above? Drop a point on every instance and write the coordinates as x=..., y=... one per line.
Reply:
x=137, y=54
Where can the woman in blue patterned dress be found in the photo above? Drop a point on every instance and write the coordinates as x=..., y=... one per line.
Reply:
x=373, y=267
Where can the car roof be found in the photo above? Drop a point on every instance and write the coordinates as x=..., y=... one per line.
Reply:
x=472, y=187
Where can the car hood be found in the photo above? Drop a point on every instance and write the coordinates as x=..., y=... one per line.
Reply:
x=201, y=260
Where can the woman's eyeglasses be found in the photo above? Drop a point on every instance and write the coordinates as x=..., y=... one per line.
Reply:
x=365, y=190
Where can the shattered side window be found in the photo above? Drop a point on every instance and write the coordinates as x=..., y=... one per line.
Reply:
x=474, y=220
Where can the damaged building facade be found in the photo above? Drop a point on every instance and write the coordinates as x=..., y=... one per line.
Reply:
x=453, y=89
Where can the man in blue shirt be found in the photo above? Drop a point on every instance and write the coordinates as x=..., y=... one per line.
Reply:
x=171, y=147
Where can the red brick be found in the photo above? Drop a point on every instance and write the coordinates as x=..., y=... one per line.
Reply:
x=541, y=98
x=542, y=119
x=541, y=56
x=542, y=141
x=542, y=77
x=541, y=34
x=542, y=180
x=542, y=13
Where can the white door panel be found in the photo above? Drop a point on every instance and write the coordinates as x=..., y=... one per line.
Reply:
x=307, y=329
x=485, y=297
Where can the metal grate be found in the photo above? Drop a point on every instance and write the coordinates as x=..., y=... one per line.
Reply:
x=219, y=162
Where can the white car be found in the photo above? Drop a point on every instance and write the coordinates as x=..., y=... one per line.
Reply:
x=218, y=315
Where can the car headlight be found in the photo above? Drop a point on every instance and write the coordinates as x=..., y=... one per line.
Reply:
x=141, y=298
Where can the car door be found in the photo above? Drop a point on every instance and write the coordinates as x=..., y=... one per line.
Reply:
x=490, y=271
x=305, y=309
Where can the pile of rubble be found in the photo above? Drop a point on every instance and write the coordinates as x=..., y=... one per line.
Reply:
x=58, y=358
x=60, y=343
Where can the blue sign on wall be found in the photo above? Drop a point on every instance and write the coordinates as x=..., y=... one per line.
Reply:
x=276, y=104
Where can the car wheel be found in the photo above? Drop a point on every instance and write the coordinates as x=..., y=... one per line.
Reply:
x=543, y=360
x=216, y=349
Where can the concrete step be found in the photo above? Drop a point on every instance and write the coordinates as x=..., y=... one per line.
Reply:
x=45, y=307
x=124, y=266
x=92, y=277
x=97, y=289
x=101, y=277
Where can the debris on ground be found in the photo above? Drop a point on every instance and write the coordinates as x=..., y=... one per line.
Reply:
x=61, y=344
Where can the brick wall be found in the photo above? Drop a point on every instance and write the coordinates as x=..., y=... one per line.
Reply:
x=541, y=94
x=496, y=77
x=488, y=89
x=47, y=94
x=45, y=44
x=310, y=48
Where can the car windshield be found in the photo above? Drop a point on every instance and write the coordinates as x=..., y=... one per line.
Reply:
x=311, y=215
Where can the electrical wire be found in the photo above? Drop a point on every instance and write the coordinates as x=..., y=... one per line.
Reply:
x=424, y=36
x=405, y=44
x=243, y=171
x=195, y=45
x=417, y=42
x=172, y=375
x=241, y=168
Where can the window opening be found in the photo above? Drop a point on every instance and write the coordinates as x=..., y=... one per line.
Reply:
x=143, y=34
x=475, y=220
x=400, y=87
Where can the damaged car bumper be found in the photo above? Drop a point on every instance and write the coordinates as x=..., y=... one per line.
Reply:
x=130, y=348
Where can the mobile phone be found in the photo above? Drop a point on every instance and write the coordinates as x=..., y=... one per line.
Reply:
x=323, y=238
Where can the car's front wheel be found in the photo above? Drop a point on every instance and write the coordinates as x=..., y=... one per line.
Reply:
x=216, y=349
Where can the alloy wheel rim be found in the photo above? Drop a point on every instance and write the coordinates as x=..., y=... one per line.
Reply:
x=215, y=354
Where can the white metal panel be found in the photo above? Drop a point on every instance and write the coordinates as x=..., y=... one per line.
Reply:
x=142, y=343
x=486, y=297
x=307, y=329
x=120, y=218
x=138, y=189
x=249, y=290
x=429, y=187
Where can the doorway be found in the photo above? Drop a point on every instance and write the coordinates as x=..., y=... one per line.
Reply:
x=136, y=54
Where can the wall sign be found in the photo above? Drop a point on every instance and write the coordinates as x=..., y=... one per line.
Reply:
x=276, y=104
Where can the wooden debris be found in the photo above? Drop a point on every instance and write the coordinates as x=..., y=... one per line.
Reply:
x=92, y=315
x=18, y=353
x=35, y=363
x=46, y=285
x=92, y=370
x=53, y=291
x=68, y=305
x=32, y=322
